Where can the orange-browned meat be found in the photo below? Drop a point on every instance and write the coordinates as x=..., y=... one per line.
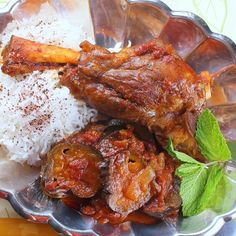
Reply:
x=147, y=84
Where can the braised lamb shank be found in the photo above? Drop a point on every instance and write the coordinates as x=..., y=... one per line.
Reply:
x=147, y=84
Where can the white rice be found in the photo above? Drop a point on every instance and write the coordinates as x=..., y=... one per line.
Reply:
x=35, y=111
x=48, y=27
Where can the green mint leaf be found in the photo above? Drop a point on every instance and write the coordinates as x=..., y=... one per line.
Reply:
x=186, y=169
x=192, y=186
x=210, y=139
x=224, y=200
x=180, y=155
x=215, y=176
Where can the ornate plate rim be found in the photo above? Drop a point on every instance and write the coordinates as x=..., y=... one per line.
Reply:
x=218, y=221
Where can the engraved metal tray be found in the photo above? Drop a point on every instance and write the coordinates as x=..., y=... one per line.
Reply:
x=116, y=23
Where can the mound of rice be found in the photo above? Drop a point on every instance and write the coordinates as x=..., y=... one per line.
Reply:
x=35, y=110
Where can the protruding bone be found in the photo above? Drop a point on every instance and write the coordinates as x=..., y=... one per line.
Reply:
x=23, y=56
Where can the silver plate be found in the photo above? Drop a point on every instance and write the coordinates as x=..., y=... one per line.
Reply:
x=118, y=22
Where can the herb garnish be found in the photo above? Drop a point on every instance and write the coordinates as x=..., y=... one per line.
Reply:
x=199, y=181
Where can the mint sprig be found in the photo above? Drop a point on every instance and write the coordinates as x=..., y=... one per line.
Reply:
x=200, y=181
x=215, y=175
x=180, y=155
x=211, y=141
x=192, y=186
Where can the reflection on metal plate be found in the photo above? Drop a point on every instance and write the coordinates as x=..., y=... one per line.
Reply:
x=116, y=23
